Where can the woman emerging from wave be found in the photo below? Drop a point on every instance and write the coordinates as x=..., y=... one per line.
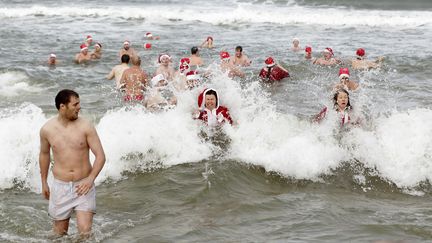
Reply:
x=343, y=108
x=210, y=111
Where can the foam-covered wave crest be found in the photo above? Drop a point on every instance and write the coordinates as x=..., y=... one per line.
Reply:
x=241, y=13
x=14, y=83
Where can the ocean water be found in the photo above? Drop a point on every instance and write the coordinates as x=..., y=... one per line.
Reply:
x=275, y=177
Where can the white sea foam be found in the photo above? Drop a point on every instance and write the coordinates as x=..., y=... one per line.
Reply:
x=240, y=13
x=15, y=83
x=398, y=146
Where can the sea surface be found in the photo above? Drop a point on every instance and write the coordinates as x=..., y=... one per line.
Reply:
x=275, y=176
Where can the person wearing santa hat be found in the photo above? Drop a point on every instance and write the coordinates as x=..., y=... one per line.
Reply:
x=88, y=40
x=210, y=111
x=128, y=50
x=345, y=82
x=150, y=36
x=165, y=68
x=296, y=45
x=52, y=59
x=227, y=66
x=208, y=43
x=343, y=108
x=134, y=81
x=160, y=95
x=272, y=71
x=327, y=58
x=193, y=79
x=360, y=61
x=97, y=53
x=84, y=55
x=308, y=53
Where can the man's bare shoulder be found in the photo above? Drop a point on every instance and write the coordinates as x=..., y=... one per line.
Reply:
x=49, y=125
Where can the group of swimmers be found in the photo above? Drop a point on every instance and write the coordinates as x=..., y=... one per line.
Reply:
x=157, y=91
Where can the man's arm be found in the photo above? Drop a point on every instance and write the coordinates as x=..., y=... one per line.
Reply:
x=44, y=162
x=95, y=146
x=111, y=74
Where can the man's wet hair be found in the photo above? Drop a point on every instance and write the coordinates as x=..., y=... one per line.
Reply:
x=136, y=61
x=239, y=48
x=194, y=50
x=125, y=58
x=63, y=97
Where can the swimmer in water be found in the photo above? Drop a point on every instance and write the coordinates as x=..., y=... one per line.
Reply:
x=52, y=60
x=345, y=82
x=308, y=53
x=134, y=81
x=84, y=55
x=240, y=59
x=128, y=50
x=150, y=36
x=195, y=58
x=360, y=62
x=160, y=95
x=226, y=66
x=117, y=71
x=210, y=111
x=97, y=53
x=343, y=108
x=208, y=43
x=272, y=71
x=327, y=59
x=165, y=68
x=295, y=47
x=89, y=41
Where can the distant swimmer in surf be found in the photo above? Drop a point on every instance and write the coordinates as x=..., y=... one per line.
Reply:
x=227, y=66
x=208, y=43
x=296, y=45
x=150, y=36
x=117, y=71
x=134, y=81
x=88, y=41
x=97, y=53
x=343, y=108
x=84, y=55
x=360, y=62
x=345, y=82
x=195, y=58
x=128, y=50
x=210, y=111
x=272, y=71
x=240, y=59
x=165, y=68
x=160, y=95
x=52, y=60
x=308, y=53
x=327, y=59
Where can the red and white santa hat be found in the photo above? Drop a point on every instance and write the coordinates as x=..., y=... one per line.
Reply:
x=308, y=49
x=344, y=72
x=53, y=55
x=224, y=55
x=98, y=44
x=83, y=47
x=329, y=50
x=126, y=42
x=156, y=79
x=192, y=75
x=147, y=46
x=148, y=35
x=184, y=64
x=201, y=98
x=360, y=52
x=270, y=62
x=89, y=37
x=163, y=55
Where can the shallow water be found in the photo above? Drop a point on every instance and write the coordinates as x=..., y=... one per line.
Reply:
x=274, y=177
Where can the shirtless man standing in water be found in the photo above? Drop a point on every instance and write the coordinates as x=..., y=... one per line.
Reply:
x=134, y=80
x=73, y=189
